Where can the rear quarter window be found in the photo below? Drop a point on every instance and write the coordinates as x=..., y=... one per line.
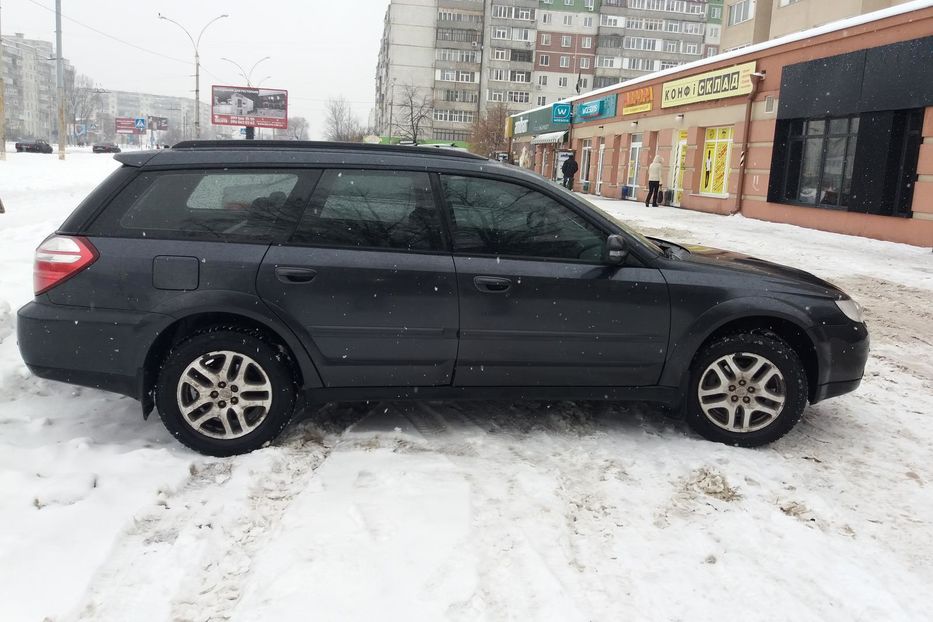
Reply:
x=260, y=206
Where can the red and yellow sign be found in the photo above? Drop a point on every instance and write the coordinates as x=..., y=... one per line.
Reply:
x=639, y=100
x=708, y=86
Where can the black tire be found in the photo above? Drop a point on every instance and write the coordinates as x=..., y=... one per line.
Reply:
x=274, y=362
x=787, y=362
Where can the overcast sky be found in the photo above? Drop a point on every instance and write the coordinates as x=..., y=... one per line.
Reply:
x=319, y=48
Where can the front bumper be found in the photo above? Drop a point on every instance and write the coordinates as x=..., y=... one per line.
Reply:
x=99, y=348
x=842, y=352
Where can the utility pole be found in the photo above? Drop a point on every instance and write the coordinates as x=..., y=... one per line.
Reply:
x=60, y=70
x=2, y=107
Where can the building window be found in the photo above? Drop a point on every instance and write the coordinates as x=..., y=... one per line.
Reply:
x=520, y=76
x=711, y=50
x=495, y=96
x=451, y=135
x=501, y=54
x=568, y=20
x=587, y=22
x=587, y=43
x=542, y=100
x=820, y=160
x=612, y=21
x=542, y=80
x=589, y=4
x=740, y=12
x=562, y=82
x=545, y=17
x=519, y=97
x=715, y=12
x=544, y=60
x=565, y=62
x=691, y=48
x=693, y=28
x=671, y=46
x=565, y=41
x=500, y=33
x=545, y=39
x=787, y=2
x=717, y=153
x=499, y=75
x=584, y=62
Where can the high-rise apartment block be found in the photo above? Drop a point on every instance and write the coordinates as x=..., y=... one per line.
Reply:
x=746, y=22
x=468, y=54
x=30, y=96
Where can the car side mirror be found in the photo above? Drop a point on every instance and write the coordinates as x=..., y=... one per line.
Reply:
x=617, y=249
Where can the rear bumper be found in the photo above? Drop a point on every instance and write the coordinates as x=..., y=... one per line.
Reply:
x=842, y=351
x=99, y=348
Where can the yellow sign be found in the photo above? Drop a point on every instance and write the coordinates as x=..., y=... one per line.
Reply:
x=509, y=127
x=717, y=152
x=639, y=100
x=719, y=84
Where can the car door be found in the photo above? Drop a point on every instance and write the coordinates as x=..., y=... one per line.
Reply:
x=368, y=281
x=539, y=305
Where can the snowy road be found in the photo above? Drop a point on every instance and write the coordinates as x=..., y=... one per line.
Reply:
x=475, y=511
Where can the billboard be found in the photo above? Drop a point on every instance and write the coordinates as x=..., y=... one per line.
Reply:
x=708, y=86
x=158, y=123
x=129, y=125
x=249, y=107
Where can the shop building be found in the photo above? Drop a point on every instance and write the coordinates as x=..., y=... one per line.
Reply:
x=830, y=128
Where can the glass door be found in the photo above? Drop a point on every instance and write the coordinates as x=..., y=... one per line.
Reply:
x=585, y=164
x=599, y=167
x=678, y=164
x=631, y=179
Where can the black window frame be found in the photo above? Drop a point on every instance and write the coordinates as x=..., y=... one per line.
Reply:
x=106, y=222
x=544, y=191
x=442, y=219
x=802, y=139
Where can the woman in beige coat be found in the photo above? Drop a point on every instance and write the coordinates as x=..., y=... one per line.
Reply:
x=654, y=181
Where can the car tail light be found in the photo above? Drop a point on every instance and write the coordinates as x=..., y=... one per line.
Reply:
x=59, y=258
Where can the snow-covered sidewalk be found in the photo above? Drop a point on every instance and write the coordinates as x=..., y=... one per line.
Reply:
x=491, y=511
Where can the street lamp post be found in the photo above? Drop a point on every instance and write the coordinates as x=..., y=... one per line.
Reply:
x=248, y=75
x=197, y=68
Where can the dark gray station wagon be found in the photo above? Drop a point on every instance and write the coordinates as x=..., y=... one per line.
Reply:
x=228, y=284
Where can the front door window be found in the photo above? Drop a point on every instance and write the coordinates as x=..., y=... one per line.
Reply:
x=634, y=155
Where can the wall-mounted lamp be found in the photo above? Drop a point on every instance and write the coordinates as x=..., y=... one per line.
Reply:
x=634, y=123
x=680, y=117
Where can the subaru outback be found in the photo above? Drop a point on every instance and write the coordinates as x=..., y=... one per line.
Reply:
x=229, y=284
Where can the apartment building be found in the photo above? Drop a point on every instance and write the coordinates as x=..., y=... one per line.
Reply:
x=180, y=112
x=30, y=97
x=746, y=22
x=466, y=55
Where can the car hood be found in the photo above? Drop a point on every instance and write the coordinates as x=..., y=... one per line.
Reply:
x=775, y=275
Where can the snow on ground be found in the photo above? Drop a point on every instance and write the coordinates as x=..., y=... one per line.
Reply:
x=480, y=510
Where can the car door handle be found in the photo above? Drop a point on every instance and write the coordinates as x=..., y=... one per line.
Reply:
x=492, y=284
x=293, y=276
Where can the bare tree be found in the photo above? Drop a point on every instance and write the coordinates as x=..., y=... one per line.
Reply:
x=298, y=128
x=415, y=113
x=487, y=135
x=83, y=101
x=339, y=122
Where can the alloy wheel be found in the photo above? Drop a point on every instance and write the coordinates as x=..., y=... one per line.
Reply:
x=742, y=392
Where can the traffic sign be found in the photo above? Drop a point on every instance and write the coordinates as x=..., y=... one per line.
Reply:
x=562, y=112
x=140, y=123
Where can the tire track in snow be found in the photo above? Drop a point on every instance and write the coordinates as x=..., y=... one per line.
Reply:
x=188, y=558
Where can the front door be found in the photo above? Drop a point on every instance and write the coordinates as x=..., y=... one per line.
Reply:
x=678, y=165
x=634, y=155
x=538, y=305
x=367, y=282
x=599, y=168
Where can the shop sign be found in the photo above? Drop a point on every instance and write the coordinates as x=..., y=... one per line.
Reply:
x=562, y=112
x=709, y=86
x=602, y=108
x=521, y=126
x=639, y=100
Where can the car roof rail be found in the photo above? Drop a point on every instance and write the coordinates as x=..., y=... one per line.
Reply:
x=275, y=145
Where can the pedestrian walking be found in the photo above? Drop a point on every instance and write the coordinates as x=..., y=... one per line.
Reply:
x=569, y=169
x=654, y=181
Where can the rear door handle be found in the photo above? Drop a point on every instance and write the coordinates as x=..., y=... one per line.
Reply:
x=492, y=284
x=292, y=276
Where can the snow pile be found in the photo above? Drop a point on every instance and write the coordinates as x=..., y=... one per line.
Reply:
x=526, y=511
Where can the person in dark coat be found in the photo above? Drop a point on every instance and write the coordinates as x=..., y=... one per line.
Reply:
x=569, y=169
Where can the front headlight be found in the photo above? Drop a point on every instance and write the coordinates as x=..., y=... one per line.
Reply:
x=851, y=310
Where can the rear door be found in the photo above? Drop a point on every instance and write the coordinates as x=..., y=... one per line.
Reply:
x=538, y=303
x=367, y=279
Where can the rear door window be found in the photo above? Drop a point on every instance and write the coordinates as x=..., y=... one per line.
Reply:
x=372, y=209
x=261, y=206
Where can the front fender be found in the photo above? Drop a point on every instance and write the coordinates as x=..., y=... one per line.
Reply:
x=687, y=339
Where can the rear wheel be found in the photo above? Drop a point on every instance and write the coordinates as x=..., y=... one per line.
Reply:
x=747, y=389
x=225, y=392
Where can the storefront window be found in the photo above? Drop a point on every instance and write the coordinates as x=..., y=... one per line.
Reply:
x=717, y=153
x=821, y=155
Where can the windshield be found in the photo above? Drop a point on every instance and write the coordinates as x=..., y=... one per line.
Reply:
x=634, y=233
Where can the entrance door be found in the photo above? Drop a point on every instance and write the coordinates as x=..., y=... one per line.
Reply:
x=599, y=168
x=367, y=283
x=634, y=155
x=585, y=164
x=538, y=304
x=678, y=165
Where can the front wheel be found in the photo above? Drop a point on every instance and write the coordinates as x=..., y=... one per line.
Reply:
x=225, y=392
x=747, y=389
